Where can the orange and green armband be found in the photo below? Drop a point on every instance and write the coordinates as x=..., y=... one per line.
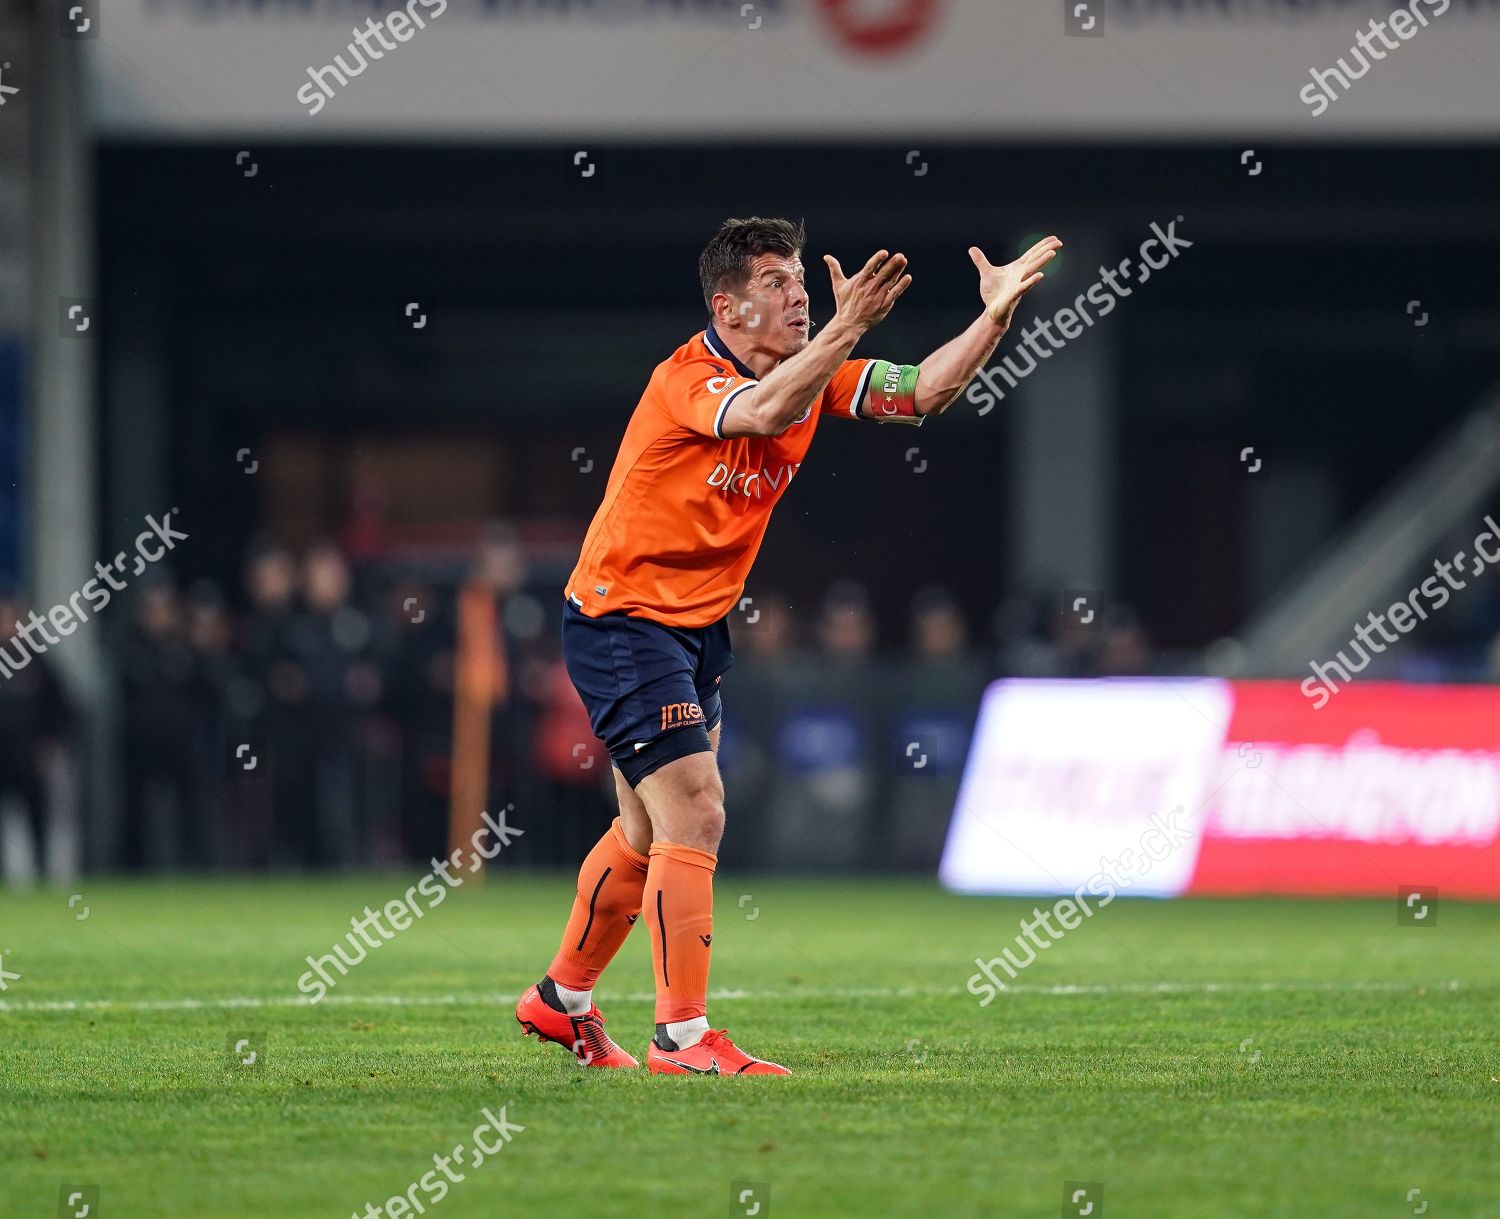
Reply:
x=893, y=393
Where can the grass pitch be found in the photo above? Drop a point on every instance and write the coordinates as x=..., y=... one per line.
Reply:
x=1246, y=1058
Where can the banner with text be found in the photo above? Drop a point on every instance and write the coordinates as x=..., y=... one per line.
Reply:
x=1165, y=787
x=791, y=69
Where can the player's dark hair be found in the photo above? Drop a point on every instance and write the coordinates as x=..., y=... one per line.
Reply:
x=724, y=264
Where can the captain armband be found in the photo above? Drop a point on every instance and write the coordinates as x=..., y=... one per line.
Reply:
x=893, y=393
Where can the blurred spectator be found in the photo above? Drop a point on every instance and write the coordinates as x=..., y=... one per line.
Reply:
x=764, y=643
x=271, y=581
x=938, y=632
x=163, y=824
x=216, y=670
x=271, y=584
x=1037, y=638
x=273, y=687
x=367, y=531
x=325, y=682
x=823, y=793
x=419, y=626
x=935, y=696
x=846, y=626
x=1023, y=650
x=1123, y=650
x=35, y=720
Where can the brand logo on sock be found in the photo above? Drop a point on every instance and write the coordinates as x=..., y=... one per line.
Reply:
x=707, y=940
x=630, y=918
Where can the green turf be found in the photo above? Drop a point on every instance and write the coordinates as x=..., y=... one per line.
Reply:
x=1341, y=1062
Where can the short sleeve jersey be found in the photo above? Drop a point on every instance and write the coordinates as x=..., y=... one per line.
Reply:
x=685, y=509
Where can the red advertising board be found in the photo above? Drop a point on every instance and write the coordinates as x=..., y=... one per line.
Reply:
x=1162, y=788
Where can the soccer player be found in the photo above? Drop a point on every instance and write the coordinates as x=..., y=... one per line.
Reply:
x=719, y=433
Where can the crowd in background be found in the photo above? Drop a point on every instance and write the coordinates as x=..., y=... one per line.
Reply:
x=305, y=719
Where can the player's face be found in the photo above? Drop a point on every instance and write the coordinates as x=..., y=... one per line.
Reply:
x=774, y=310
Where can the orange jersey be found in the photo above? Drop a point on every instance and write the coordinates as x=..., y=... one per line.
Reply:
x=685, y=509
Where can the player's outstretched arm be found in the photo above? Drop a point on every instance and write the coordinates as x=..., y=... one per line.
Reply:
x=953, y=365
x=785, y=393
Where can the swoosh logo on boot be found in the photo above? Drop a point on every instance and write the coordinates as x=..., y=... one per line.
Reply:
x=712, y=1070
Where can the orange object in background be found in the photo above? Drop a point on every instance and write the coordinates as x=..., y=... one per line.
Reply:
x=481, y=682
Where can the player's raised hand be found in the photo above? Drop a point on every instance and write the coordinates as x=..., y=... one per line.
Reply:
x=1001, y=287
x=865, y=297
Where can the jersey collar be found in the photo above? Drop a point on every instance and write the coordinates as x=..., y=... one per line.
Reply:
x=717, y=345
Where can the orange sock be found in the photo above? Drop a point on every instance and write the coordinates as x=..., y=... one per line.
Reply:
x=679, y=903
x=605, y=908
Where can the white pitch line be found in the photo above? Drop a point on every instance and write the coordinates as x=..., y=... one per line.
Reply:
x=494, y=999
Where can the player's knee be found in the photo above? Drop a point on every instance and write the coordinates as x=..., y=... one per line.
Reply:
x=707, y=804
x=711, y=826
x=711, y=789
x=704, y=805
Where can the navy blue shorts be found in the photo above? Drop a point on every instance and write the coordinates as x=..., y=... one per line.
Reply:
x=651, y=691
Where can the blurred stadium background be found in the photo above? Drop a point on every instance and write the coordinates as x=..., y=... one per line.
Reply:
x=375, y=361
x=370, y=345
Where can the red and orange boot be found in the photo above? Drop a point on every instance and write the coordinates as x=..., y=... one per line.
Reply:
x=584, y=1035
x=714, y=1054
